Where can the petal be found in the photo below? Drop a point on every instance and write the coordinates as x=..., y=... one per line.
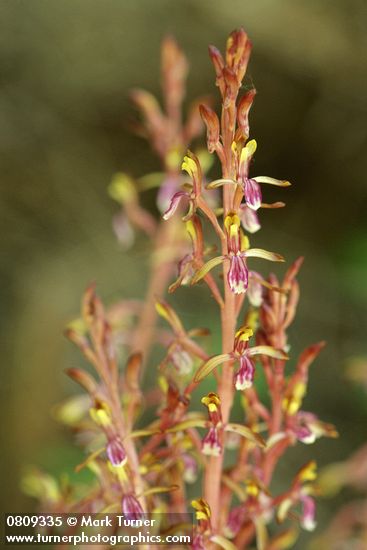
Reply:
x=269, y=351
x=166, y=190
x=152, y=181
x=142, y=433
x=218, y=183
x=308, y=472
x=131, y=507
x=272, y=205
x=265, y=254
x=212, y=126
x=249, y=150
x=210, y=365
x=308, y=521
x=285, y=539
x=217, y=60
x=116, y=452
x=243, y=109
x=249, y=219
x=245, y=159
x=238, y=275
x=123, y=230
x=252, y=193
x=187, y=424
x=168, y=313
x=191, y=211
x=246, y=433
x=211, y=445
x=190, y=470
x=283, y=509
x=189, y=165
x=84, y=379
x=244, y=377
x=272, y=181
x=223, y=542
x=254, y=290
x=89, y=459
x=206, y=268
x=122, y=189
x=163, y=489
x=262, y=536
x=182, y=361
x=236, y=517
x=175, y=201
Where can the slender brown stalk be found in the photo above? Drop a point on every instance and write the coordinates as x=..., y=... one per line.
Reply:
x=163, y=264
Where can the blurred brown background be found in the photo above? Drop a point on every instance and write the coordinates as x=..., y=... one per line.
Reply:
x=66, y=68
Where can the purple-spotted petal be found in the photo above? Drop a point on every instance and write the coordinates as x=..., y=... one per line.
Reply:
x=175, y=201
x=131, y=508
x=211, y=445
x=252, y=192
x=116, y=452
x=244, y=377
x=238, y=274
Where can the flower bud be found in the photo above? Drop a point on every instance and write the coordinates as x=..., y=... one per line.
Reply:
x=232, y=86
x=217, y=61
x=243, y=110
x=212, y=127
x=238, y=52
x=174, y=72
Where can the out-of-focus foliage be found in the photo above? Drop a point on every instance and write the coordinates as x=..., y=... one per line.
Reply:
x=64, y=116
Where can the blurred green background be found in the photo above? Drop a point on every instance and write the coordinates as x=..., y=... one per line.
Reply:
x=66, y=69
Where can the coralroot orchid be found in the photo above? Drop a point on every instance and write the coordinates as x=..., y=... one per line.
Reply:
x=143, y=466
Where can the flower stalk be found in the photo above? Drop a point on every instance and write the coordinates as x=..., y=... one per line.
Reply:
x=144, y=466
